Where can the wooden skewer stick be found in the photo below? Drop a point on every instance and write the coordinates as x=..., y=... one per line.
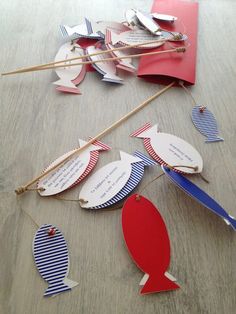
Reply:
x=179, y=49
x=85, y=56
x=24, y=188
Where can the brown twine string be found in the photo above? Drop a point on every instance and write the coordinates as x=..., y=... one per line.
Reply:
x=118, y=206
x=160, y=175
x=146, y=185
x=113, y=207
x=27, y=214
x=181, y=83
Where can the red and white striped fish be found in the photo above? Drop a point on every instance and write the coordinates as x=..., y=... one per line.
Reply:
x=71, y=172
x=170, y=150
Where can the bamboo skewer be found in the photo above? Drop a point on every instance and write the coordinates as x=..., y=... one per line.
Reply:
x=24, y=188
x=178, y=49
x=85, y=56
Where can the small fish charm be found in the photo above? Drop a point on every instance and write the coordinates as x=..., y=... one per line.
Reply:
x=52, y=260
x=205, y=122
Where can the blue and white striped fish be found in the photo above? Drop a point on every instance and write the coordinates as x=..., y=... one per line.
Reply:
x=131, y=168
x=52, y=260
x=205, y=122
x=134, y=179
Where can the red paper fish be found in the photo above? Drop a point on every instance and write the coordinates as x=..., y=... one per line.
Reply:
x=148, y=242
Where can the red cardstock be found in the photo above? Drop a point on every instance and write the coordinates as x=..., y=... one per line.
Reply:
x=164, y=68
x=148, y=242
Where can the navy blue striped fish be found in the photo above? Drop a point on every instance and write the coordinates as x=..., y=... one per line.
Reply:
x=205, y=122
x=136, y=176
x=103, y=190
x=52, y=260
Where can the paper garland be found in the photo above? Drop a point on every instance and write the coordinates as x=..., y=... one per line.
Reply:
x=168, y=149
x=52, y=260
x=73, y=171
x=199, y=195
x=148, y=242
x=114, y=182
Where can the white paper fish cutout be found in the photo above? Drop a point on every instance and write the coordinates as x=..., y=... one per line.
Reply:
x=131, y=18
x=69, y=76
x=52, y=259
x=132, y=37
x=106, y=68
x=168, y=149
x=113, y=182
x=164, y=17
x=73, y=171
x=147, y=21
x=80, y=30
x=125, y=64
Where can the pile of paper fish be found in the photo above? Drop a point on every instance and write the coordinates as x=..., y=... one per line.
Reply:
x=91, y=38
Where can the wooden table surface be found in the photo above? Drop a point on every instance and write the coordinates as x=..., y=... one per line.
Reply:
x=38, y=124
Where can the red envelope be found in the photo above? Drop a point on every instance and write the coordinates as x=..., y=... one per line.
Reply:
x=165, y=68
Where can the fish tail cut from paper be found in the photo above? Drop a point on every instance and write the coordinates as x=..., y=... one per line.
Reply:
x=63, y=31
x=112, y=37
x=212, y=139
x=231, y=221
x=140, y=130
x=107, y=37
x=71, y=90
x=66, y=30
x=101, y=144
x=65, y=83
x=157, y=284
x=145, y=160
x=108, y=77
x=146, y=131
x=88, y=25
x=59, y=286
